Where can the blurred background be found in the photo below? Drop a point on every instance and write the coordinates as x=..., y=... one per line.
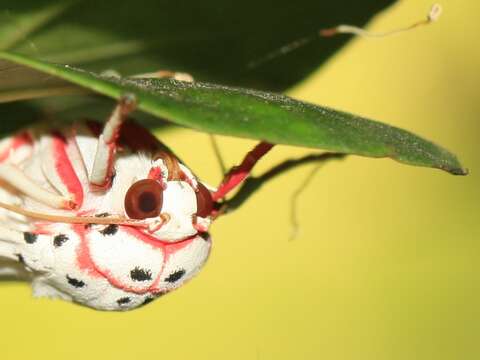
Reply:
x=386, y=261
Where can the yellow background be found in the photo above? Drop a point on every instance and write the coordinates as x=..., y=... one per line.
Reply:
x=386, y=264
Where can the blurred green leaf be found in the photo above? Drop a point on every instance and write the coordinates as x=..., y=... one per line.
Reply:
x=241, y=112
x=214, y=40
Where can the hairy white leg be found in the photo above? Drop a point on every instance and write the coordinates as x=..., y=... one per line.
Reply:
x=102, y=171
x=15, y=177
x=63, y=166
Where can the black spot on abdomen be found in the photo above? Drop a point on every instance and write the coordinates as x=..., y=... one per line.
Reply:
x=59, y=239
x=110, y=230
x=123, y=300
x=139, y=274
x=29, y=237
x=75, y=282
x=175, y=276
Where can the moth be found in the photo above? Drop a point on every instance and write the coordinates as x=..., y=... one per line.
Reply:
x=105, y=216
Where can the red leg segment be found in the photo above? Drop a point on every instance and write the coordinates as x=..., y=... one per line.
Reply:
x=239, y=173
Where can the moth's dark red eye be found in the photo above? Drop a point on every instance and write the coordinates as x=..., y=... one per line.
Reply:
x=144, y=199
x=204, y=201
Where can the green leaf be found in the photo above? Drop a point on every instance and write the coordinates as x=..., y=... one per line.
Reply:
x=215, y=40
x=245, y=113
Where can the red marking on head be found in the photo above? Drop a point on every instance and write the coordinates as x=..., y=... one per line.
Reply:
x=153, y=241
x=155, y=173
x=172, y=248
x=65, y=170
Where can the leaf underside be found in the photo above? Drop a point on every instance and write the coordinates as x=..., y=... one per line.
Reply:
x=233, y=111
x=215, y=40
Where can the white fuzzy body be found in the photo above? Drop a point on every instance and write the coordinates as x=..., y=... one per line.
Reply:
x=107, y=267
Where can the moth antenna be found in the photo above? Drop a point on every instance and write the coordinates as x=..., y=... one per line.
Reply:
x=117, y=220
x=433, y=15
x=172, y=164
x=283, y=50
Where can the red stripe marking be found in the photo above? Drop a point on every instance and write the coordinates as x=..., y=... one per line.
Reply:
x=84, y=260
x=21, y=139
x=155, y=173
x=116, y=282
x=65, y=170
x=168, y=250
x=155, y=242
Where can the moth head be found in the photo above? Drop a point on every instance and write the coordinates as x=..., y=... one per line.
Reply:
x=170, y=199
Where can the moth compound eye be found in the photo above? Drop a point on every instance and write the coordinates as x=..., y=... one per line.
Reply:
x=144, y=199
x=204, y=201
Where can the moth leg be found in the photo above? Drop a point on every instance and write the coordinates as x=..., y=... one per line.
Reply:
x=239, y=173
x=102, y=170
x=18, y=180
x=13, y=179
x=63, y=167
x=253, y=184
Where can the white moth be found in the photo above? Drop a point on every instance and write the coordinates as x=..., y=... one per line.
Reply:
x=104, y=217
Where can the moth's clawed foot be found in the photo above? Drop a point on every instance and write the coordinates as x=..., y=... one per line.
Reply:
x=127, y=103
